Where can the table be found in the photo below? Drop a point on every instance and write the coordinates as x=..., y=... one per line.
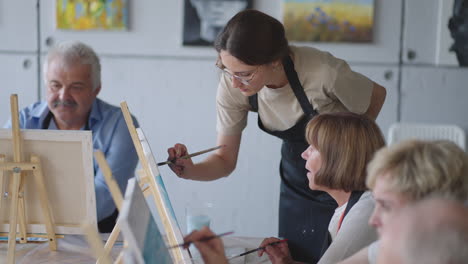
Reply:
x=74, y=249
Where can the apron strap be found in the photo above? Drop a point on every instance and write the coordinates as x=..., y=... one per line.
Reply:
x=353, y=199
x=46, y=123
x=253, y=102
x=297, y=87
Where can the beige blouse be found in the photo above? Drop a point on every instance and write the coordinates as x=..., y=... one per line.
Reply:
x=328, y=82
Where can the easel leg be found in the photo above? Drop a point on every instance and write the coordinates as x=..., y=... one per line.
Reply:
x=111, y=241
x=2, y=184
x=13, y=217
x=112, y=238
x=119, y=259
x=95, y=242
x=22, y=211
x=44, y=202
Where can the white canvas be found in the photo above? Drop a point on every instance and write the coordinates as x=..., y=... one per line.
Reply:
x=67, y=167
x=145, y=242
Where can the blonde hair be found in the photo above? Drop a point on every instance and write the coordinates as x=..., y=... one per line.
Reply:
x=346, y=143
x=418, y=169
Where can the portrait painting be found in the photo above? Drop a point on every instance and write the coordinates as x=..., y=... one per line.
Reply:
x=204, y=19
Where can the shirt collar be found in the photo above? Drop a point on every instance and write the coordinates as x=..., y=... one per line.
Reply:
x=95, y=115
x=40, y=112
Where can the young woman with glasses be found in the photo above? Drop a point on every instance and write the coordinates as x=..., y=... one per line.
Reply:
x=287, y=86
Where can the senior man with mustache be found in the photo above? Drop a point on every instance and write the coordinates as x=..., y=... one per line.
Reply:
x=72, y=74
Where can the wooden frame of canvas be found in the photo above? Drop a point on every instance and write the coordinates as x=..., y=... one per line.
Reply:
x=152, y=178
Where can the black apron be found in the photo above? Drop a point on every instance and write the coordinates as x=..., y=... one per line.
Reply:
x=107, y=224
x=304, y=214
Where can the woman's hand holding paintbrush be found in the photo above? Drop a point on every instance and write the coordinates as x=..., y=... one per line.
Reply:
x=269, y=242
x=277, y=250
x=209, y=245
x=180, y=161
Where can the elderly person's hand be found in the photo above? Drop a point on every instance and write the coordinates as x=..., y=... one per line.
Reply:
x=212, y=250
x=277, y=253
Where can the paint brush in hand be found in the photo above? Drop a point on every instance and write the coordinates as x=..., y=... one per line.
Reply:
x=257, y=249
x=186, y=244
x=190, y=155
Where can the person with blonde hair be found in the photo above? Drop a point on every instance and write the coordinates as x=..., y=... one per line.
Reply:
x=410, y=171
x=341, y=146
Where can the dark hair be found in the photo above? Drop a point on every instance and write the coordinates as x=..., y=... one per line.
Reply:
x=346, y=143
x=254, y=38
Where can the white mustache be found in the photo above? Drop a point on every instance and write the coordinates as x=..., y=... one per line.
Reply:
x=64, y=103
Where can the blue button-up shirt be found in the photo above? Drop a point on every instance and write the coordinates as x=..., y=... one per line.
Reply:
x=110, y=135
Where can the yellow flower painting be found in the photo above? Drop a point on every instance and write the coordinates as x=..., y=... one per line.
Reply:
x=92, y=14
x=329, y=20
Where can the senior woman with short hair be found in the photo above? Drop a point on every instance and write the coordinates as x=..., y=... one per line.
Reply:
x=341, y=145
x=410, y=171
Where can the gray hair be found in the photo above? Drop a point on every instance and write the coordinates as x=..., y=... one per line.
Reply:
x=75, y=52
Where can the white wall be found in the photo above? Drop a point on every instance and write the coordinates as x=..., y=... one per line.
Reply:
x=171, y=90
x=18, y=54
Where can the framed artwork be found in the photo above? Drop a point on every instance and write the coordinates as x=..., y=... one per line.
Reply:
x=146, y=244
x=67, y=168
x=444, y=40
x=92, y=14
x=204, y=19
x=329, y=20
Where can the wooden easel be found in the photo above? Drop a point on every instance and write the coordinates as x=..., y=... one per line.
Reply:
x=116, y=196
x=146, y=177
x=96, y=245
x=104, y=252
x=18, y=170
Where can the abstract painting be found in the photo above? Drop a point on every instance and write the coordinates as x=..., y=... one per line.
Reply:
x=329, y=20
x=92, y=14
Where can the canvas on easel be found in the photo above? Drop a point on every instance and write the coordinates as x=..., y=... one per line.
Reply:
x=146, y=243
x=68, y=174
x=152, y=178
x=31, y=179
x=116, y=196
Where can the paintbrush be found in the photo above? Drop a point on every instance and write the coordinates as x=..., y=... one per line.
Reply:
x=186, y=244
x=257, y=249
x=190, y=155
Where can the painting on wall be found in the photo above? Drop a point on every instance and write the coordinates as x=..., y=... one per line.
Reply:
x=452, y=33
x=92, y=14
x=329, y=20
x=204, y=19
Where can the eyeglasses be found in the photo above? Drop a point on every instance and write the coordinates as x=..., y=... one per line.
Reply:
x=244, y=79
